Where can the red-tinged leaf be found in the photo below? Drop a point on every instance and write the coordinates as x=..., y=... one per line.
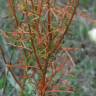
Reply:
x=59, y=69
x=56, y=91
x=69, y=49
x=23, y=77
x=40, y=40
x=14, y=34
x=21, y=66
x=56, y=87
x=70, y=89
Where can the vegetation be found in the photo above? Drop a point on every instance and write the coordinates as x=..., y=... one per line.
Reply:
x=41, y=54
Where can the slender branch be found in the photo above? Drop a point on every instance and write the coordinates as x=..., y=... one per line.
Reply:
x=32, y=3
x=32, y=41
x=39, y=8
x=49, y=21
x=65, y=31
x=12, y=6
x=70, y=57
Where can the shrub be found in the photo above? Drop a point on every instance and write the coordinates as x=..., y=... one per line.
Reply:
x=40, y=29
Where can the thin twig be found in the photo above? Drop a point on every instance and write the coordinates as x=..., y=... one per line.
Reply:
x=21, y=47
x=32, y=41
x=12, y=6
